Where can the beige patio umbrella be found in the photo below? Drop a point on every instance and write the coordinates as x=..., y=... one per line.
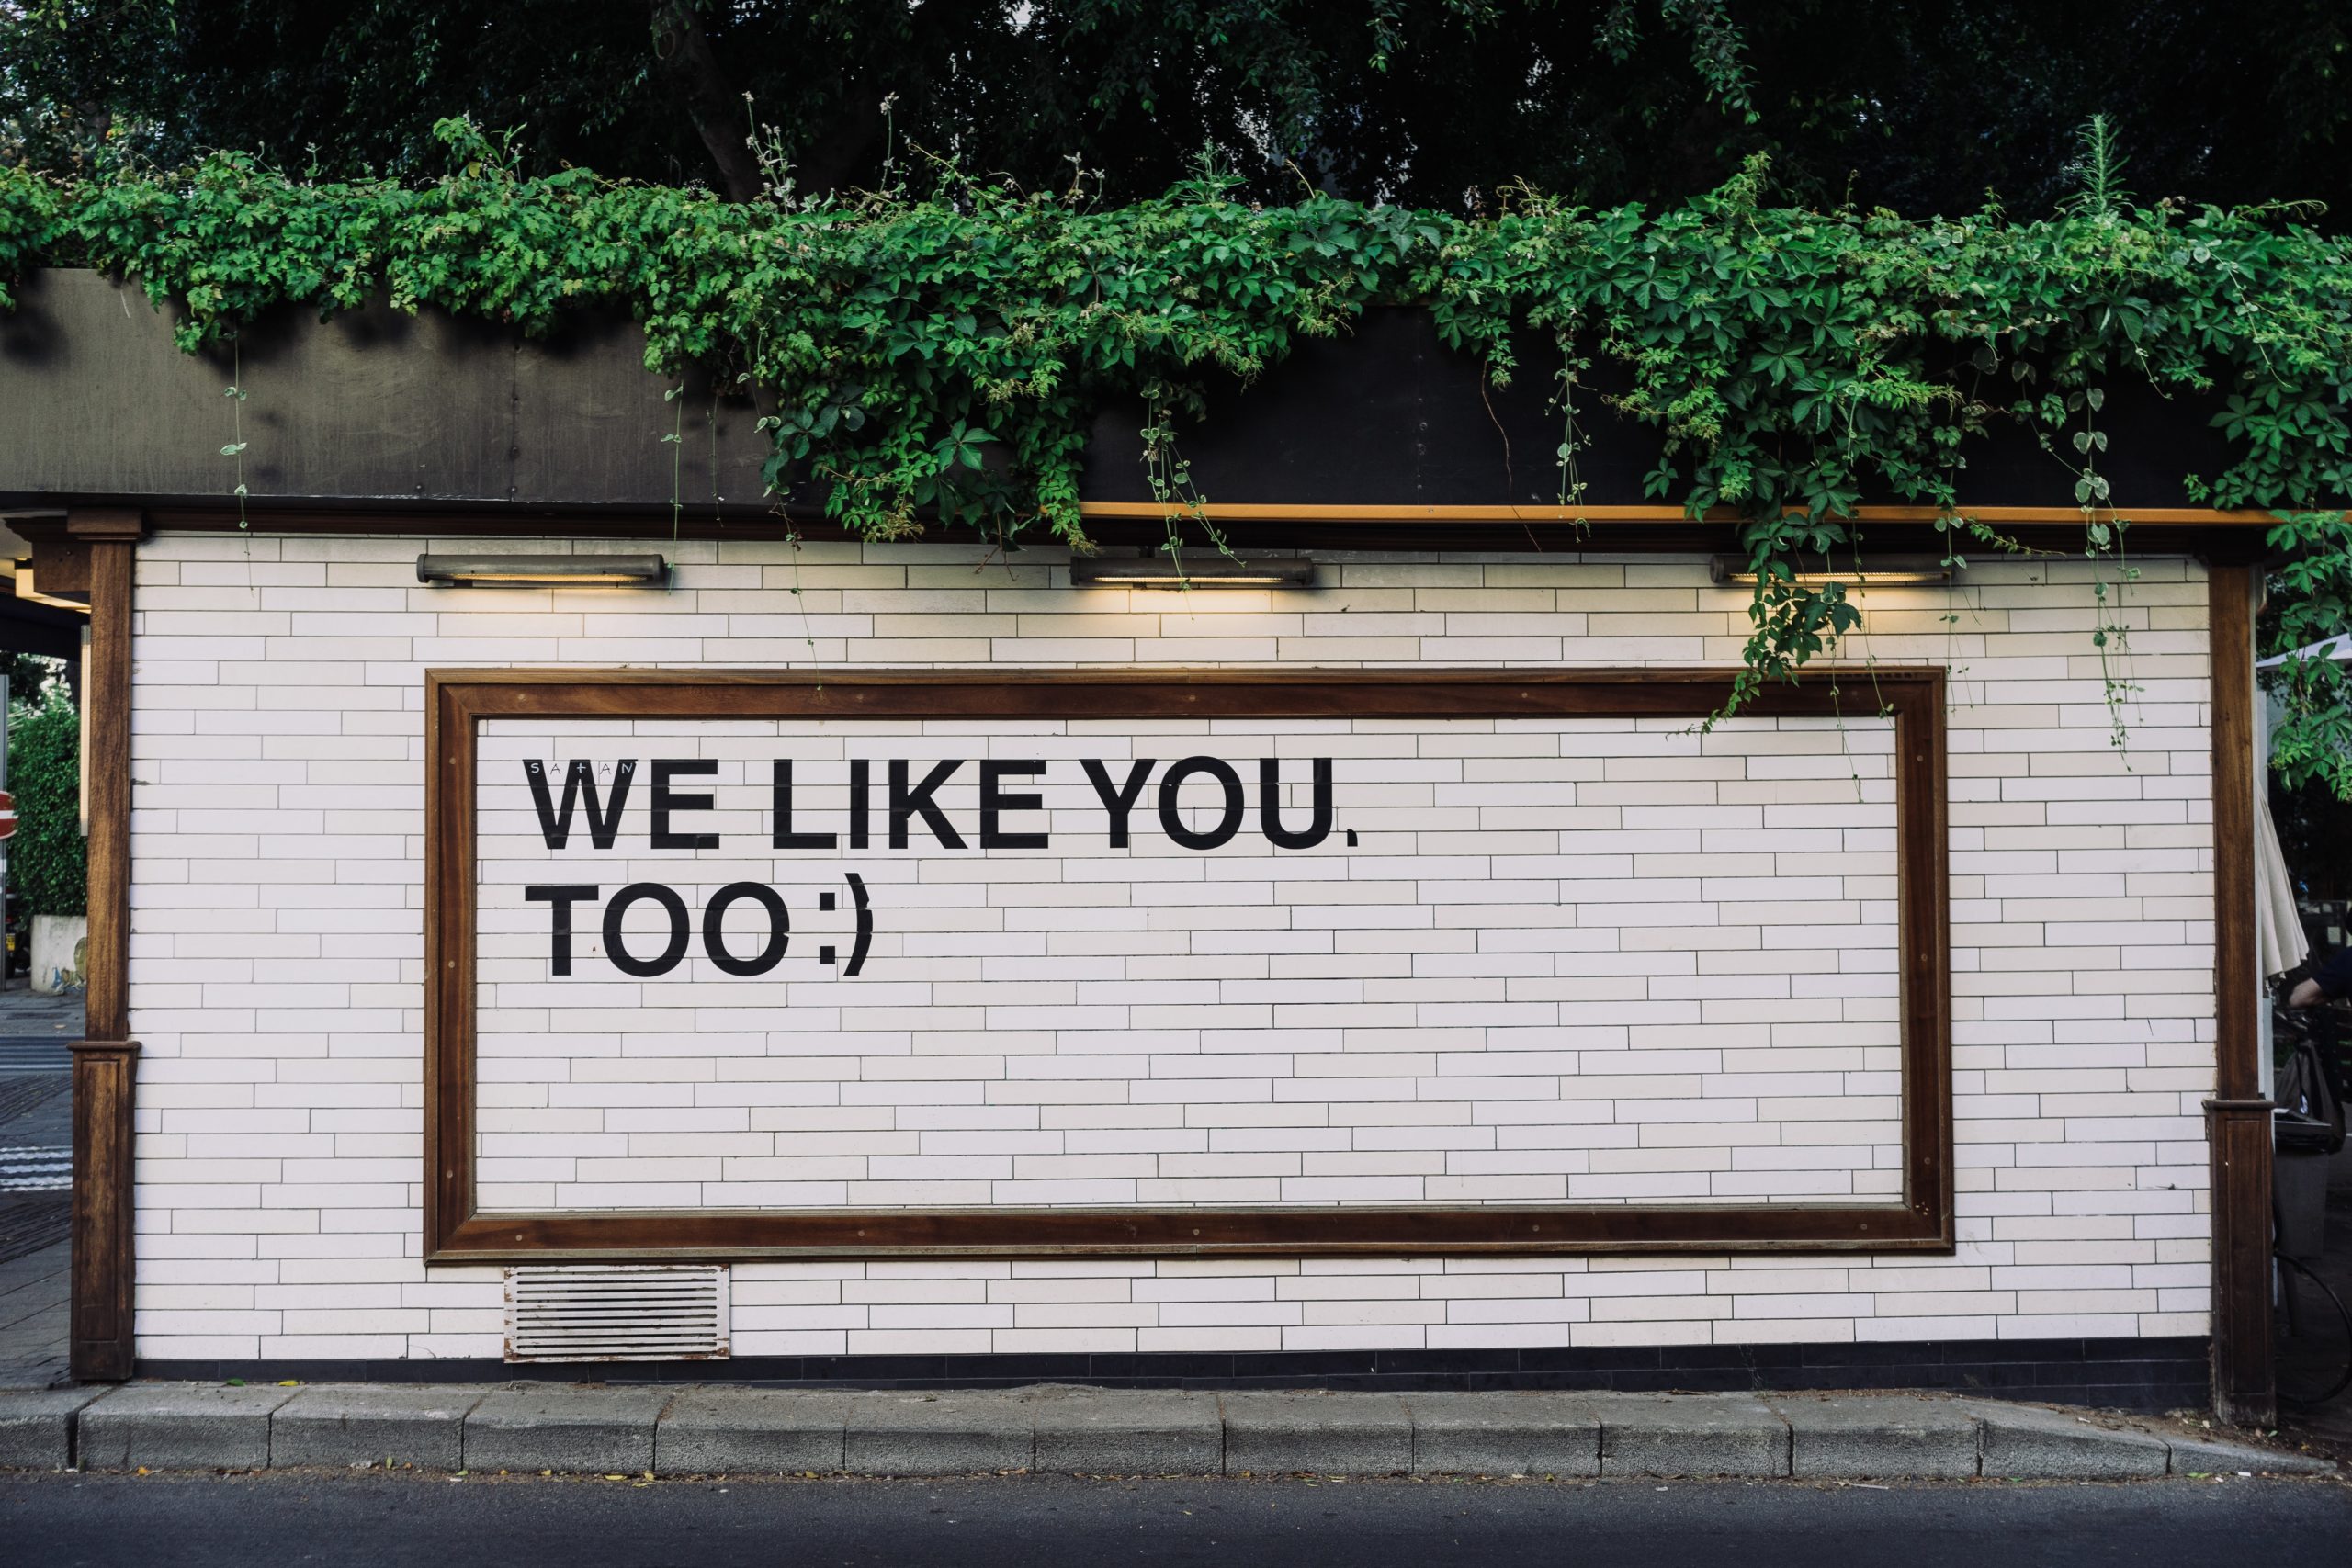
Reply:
x=2280, y=943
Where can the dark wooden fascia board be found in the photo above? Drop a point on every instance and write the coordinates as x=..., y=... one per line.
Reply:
x=374, y=407
x=2221, y=537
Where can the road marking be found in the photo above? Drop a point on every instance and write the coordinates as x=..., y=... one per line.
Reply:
x=25, y=1169
x=21, y=1055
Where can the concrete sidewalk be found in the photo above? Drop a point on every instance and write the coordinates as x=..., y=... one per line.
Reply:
x=33, y=1314
x=664, y=1429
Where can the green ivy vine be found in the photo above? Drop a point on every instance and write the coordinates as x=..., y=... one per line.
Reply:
x=933, y=353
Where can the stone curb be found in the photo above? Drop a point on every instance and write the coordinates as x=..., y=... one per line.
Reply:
x=37, y=1426
x=351, y=1424
x=178, y=1425
x=594, y=1428
x=636, y=1428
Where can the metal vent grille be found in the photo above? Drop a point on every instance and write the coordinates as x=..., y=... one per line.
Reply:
x=619, y=1311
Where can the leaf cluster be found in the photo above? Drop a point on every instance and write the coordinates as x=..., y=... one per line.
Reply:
x=937, y=353
x=47, y=857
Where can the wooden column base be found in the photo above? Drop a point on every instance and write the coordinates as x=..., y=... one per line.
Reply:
x=2245, y=1390
x=105, y=1081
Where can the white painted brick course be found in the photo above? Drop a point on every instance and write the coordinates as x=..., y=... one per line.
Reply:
x=1415, y=1021
x=1222, y=1036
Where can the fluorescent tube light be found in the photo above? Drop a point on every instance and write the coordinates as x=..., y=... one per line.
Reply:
x=1206, y=570
x=1890, y=571
x=544, y=572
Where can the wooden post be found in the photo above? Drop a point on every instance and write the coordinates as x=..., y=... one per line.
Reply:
x=106, y=1061
x=2237, y=1119
x=105, y=1076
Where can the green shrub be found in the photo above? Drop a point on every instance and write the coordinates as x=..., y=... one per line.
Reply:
x=47, y=858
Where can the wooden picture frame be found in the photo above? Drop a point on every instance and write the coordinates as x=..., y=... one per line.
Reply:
x=458, y=701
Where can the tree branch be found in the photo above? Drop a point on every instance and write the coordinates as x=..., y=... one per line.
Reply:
x=682, y=52
x=826, y=163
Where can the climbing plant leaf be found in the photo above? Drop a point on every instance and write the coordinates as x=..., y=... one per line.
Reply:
x=934, y=355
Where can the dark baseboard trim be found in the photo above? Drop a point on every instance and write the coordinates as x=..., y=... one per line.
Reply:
x=2135, y=1374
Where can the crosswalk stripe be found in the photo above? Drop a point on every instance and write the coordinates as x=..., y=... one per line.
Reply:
x=34, y=1055
x=36, y=1169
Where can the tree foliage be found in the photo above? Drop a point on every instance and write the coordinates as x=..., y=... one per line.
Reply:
x=31, y=675
x=948, y=242
x=47, y=857
x=1921, y=105
x=937, y=352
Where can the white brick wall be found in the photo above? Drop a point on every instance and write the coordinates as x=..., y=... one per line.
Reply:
x=277, y=958
x=1577, y=960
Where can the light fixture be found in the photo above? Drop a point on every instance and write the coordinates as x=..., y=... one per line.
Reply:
x=1884, y=572
x=1206, y=569
x=543, y=571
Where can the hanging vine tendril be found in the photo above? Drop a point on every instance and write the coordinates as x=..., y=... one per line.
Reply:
x=934, y=356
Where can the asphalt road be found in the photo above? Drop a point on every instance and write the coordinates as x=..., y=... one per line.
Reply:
x=289, y=1519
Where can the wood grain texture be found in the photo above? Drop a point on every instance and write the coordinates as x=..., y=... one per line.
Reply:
x=1923, y=840
x=1188, y=1233
x=2165, y=517
x=449, y=736
x=2246, y=1388
x=457, y=701
x=378, y=405
x=1498, y=529
x=106, y=1063
x=60, y=563
x=2237, y=1117
x=105, y=1077
x=107, y=735
x=2237, y=1046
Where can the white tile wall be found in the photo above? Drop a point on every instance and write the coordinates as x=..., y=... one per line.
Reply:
x=277, y=952
x=1579, y=960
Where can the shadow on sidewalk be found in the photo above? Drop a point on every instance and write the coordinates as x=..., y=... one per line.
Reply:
x=36, y=1180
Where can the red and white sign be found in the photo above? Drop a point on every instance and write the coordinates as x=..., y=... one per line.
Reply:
x=7, y=814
